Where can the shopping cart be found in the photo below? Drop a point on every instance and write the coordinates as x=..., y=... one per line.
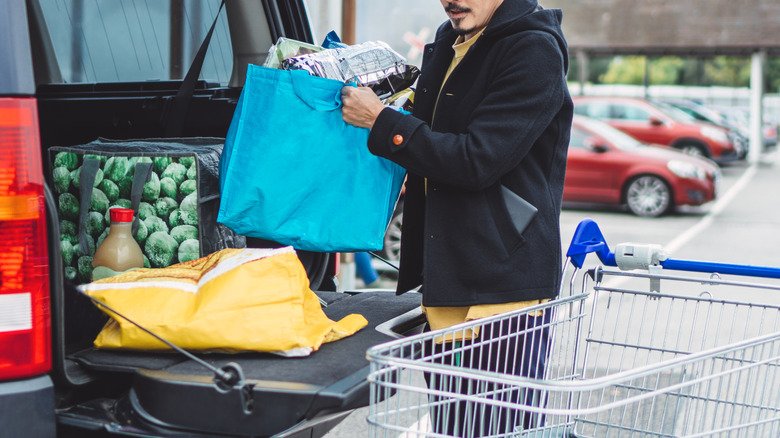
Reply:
x=631, y=354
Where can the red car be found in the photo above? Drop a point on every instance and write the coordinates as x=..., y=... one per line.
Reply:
x=658, y=123
x=607, y=166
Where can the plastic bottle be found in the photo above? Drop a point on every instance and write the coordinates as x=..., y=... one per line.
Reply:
x=119, y=251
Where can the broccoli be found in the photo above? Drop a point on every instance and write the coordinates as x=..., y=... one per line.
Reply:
x=61, y=177
x=186, y=161
x=116, y=169
x=68, y=160
x=188, y=187
x=70, y=273
x=189, y=209
x=142, y=233
x=95, y=223
x=155, y=224
x=189, y=250
x=68, y=207
x=110, y=189
x=75, y=177
x=174, y=220
x=99, y=201
x=151, y=189
x=160, y=163
x=176, y=172
x=67, y=252
x=85, y=268
x=161, y=249
x=146, y=210
x=69, y=231
x=184, y=232
x=165, y=206
x=168, y=188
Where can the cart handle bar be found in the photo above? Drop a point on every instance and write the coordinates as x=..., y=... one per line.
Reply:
x=627, y=256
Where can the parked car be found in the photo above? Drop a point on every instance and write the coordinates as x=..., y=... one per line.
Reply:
x=72, y=72
x=741, y=117
x=607, y=166
x=661, y=124
x=739, y=132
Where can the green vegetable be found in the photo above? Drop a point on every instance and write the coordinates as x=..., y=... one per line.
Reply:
x=184, y=232
x=165, y=206
x=192, y=172
x=151, y=189
x=117, y=168
x=90, y=247
x=101, y=158
x=176, y=172
x=189, y=209
x=110, y=189
x=189, y=250
x=85, y=268
x=168, y=188
x=174, y=220
x=155, y=224
x=69, y=231
x=160, y=163
x=161, y=249
x=75, y=177
x=99, y=201
x=125, y=186
x=68, y=160
x=95, y=223
x=67, y=252
x=147, y=264
x=68, y=207
x=142, y=233
x=71, y=273
x=61, y=177
x=188, y=187
x=146, y=210
x=186, y=161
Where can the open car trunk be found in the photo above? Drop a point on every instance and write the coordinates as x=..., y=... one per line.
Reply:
x=169, y=394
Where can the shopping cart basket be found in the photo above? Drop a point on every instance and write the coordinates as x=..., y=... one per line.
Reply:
x=631, y=354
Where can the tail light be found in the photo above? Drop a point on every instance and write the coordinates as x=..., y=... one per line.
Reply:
x=25, y=321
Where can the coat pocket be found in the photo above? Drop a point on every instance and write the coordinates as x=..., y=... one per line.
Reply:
x=512, y=215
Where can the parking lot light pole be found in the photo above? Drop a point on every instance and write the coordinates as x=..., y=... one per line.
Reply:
x=756, y=106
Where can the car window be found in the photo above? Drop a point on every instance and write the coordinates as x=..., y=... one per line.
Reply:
x=629, y=112
x=597, y=110
x=132, y=41
x=578, y=137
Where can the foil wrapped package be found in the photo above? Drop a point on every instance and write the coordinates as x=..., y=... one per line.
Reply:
x=367, y=63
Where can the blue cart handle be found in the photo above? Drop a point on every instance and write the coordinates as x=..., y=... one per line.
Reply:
x=627, y=256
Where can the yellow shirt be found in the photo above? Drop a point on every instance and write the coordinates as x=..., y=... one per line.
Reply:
x=443, y=317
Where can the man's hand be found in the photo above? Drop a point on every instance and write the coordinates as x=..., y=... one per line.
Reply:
x=361, y=106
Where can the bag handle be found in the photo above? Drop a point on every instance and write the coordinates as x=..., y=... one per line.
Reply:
x=141, y=175
x=301, y=81
x=86, y=183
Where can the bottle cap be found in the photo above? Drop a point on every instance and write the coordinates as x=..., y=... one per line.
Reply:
x=121, y=214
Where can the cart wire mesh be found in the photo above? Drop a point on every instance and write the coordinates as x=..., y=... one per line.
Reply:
x=617, y=359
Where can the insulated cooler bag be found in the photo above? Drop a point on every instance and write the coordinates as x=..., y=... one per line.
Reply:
x=172, y=184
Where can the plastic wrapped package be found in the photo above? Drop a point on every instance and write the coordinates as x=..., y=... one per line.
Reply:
x=287, y=48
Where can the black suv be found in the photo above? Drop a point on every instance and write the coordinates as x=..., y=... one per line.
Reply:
x=76, y=70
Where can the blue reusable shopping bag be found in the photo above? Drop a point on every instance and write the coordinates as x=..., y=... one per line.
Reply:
x=294, y=172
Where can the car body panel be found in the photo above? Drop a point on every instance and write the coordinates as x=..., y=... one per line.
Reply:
x=599, y=169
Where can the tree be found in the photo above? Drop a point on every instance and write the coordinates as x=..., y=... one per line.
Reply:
x=665, y=70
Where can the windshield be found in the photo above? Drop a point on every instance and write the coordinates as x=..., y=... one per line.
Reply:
x=615, y=137
x=675, y=113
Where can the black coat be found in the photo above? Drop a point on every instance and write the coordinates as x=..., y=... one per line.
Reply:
x=503, y=118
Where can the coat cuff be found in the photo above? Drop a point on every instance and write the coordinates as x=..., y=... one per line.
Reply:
x=391, y=132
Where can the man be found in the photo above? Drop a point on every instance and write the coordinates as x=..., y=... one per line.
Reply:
x=490, y=131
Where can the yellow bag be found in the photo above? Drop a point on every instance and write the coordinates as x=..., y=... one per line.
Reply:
x=232, y=300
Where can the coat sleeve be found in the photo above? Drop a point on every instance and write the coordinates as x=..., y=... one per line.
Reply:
x=523, y=98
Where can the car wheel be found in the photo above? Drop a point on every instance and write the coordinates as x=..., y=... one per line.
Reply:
x=648, y=196
x=392, y=243
x=693, y=149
